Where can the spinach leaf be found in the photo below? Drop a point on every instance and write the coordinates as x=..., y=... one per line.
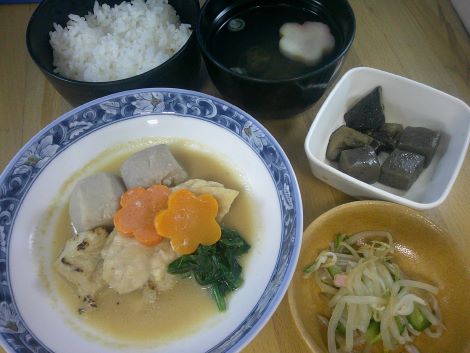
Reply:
x=216, y=266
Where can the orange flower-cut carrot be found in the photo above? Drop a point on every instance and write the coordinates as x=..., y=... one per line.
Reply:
x=138, y=209
x=189, y=221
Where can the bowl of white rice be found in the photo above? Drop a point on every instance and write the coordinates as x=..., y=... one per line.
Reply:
x=88, y=49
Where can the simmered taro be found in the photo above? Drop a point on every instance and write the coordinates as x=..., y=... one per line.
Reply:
x=94, y=201
x=401, y=169
x=388, y=136
x=360, y=163
x=345, y=138
x=368, y=113
x=154, y=165
x=420, y=140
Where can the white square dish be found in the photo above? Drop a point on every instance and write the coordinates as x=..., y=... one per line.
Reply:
x=407, y=102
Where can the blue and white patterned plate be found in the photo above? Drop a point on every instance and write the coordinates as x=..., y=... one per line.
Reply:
x=32, y=318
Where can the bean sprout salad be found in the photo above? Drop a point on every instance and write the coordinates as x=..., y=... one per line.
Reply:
x=374, y=307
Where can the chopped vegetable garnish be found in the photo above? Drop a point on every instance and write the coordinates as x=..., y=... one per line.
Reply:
x=373, y=332
x=189, y=221
x=215, y=267
x=139, y=207
x=334, y=270
x=338, y=239
x=417, y=320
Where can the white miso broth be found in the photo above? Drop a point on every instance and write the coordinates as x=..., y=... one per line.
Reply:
x=181, y=310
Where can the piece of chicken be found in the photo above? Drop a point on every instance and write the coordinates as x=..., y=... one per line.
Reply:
x=128, y=265
x=94, y=201
x=81, y=263
x=154, y=165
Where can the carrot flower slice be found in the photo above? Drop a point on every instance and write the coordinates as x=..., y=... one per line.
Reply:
x=139, y=207
x=189, y=221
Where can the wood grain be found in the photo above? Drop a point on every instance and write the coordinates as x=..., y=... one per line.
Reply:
x=423, y=40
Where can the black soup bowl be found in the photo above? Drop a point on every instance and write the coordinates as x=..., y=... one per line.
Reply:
x=182, y=70
x=239, y=40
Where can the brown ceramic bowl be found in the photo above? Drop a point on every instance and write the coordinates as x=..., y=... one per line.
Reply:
x=422, y=250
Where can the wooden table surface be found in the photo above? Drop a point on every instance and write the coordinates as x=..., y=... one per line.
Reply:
x=421, y=39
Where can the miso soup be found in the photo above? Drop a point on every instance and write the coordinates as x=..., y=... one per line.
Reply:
x=246, y=40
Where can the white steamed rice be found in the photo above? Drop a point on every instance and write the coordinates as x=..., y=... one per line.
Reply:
x=119, y=42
